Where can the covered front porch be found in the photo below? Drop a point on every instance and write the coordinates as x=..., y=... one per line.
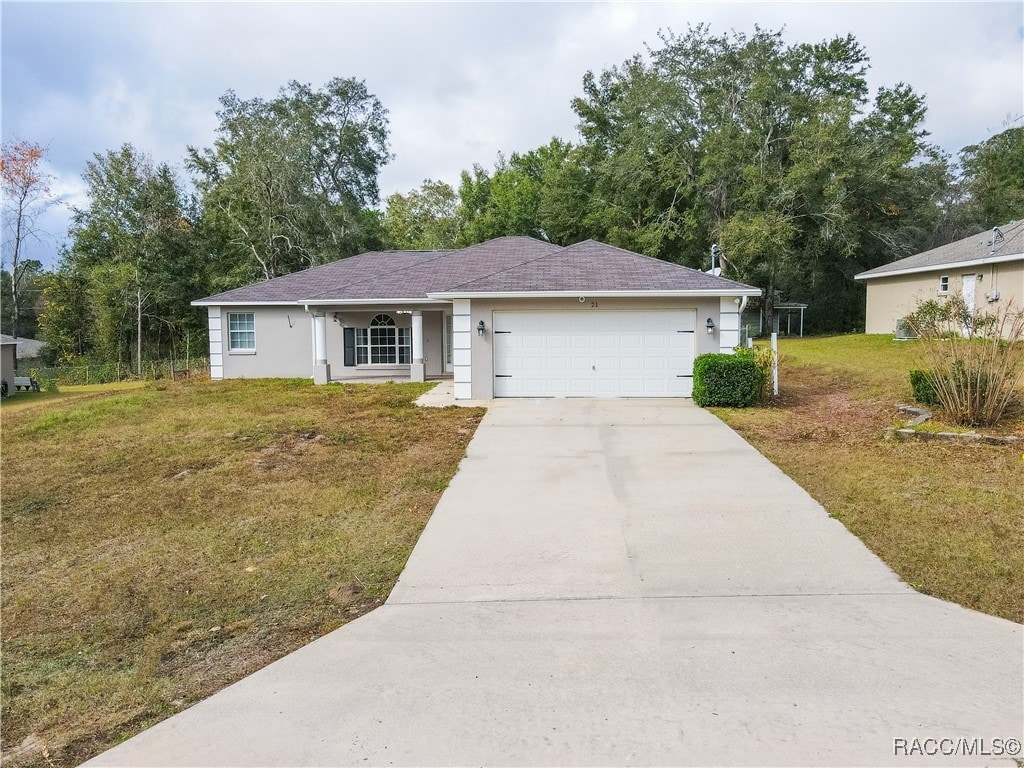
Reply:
x=380, y=342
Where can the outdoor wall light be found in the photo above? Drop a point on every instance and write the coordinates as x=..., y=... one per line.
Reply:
x=480, y=328
x=710, y=325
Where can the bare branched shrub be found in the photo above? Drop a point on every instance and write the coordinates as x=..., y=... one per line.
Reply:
x=976, y=359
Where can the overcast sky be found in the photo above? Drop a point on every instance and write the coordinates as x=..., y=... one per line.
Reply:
x=462, y=81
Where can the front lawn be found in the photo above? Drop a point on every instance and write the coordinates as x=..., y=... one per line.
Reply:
x=163, y=542
x=947, y=517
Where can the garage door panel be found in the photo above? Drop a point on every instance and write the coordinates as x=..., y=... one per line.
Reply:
x=594, y=354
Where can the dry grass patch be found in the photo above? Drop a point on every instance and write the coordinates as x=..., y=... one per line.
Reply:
x=163, y=542
x=947, y=517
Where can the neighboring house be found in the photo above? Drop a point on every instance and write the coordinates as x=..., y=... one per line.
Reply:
x=29, y=349
x=987, y=269
x=511, y=317
x=8, y=360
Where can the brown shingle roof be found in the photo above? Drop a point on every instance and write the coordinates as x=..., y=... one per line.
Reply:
x=505, y=264
x=974, y=248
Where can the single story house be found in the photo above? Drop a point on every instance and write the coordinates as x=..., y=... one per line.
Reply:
x=987, y=269
x=29, y=349
x=8, y=361
x=510, y=317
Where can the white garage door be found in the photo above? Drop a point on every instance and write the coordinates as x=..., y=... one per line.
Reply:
x=594, y=354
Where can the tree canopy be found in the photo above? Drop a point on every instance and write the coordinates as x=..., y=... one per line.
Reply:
x=287, y=180
x=778, y=153
x=137, y=259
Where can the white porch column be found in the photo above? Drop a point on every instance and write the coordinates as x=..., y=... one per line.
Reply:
x=417, y=371
x=321, y=370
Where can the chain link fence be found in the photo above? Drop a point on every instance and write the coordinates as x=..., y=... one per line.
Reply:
x=107, y=373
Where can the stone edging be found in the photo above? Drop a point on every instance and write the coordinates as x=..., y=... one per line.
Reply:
x=921, y=415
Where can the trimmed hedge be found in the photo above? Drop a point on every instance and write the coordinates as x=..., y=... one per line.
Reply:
x=923, y=384
x=726, y=380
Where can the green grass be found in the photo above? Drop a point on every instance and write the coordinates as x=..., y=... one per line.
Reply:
x=947, y=517
x=880, y=363
x=21, y=400
x=165, y=541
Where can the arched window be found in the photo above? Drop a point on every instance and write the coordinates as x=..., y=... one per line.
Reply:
x=383, y=343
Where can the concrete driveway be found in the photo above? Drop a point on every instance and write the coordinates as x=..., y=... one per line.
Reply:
x=623, y=583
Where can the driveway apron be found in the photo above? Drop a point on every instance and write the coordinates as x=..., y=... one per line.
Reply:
x=624, y=582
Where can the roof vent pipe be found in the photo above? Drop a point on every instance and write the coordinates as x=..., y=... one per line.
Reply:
x=997, y=237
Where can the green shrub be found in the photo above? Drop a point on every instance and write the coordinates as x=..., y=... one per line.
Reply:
x=923, y=384
x=726, y=380
x=763, y=358
x=975, y=359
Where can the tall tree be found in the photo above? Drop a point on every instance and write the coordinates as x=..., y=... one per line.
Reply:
x=288, y=180
x=22, y=315
x=66, y=322
x=135, y=252
x=424, y=219
x=26, y=196
x=994, y=178
x=776, y=151
x=509, y=200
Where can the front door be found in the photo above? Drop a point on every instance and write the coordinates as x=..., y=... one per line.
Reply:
x=968, y=290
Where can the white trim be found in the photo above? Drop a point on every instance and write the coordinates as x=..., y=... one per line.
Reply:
x=462, y=344
x=446, y=297
x=728, y=325
x=454, y=295
x=356, y=302
x=204, y=303
x=729, y=321
x=322, y=303
x=947, y=266
x=242, y=350
x=213, y=322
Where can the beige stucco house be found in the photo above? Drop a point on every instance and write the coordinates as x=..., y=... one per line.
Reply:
x=987, y=269
x=511, y=317
x=8, y=353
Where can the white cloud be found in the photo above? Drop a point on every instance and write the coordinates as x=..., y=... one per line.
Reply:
x=462, y=81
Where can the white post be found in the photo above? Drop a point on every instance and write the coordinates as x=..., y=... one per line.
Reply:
x=775, y=364
x=417, y=371
x=321, y=370
x=320, y=338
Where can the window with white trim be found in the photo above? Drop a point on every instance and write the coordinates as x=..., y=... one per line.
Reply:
x=241, y=331
x=944, y=284
x=383, y=343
